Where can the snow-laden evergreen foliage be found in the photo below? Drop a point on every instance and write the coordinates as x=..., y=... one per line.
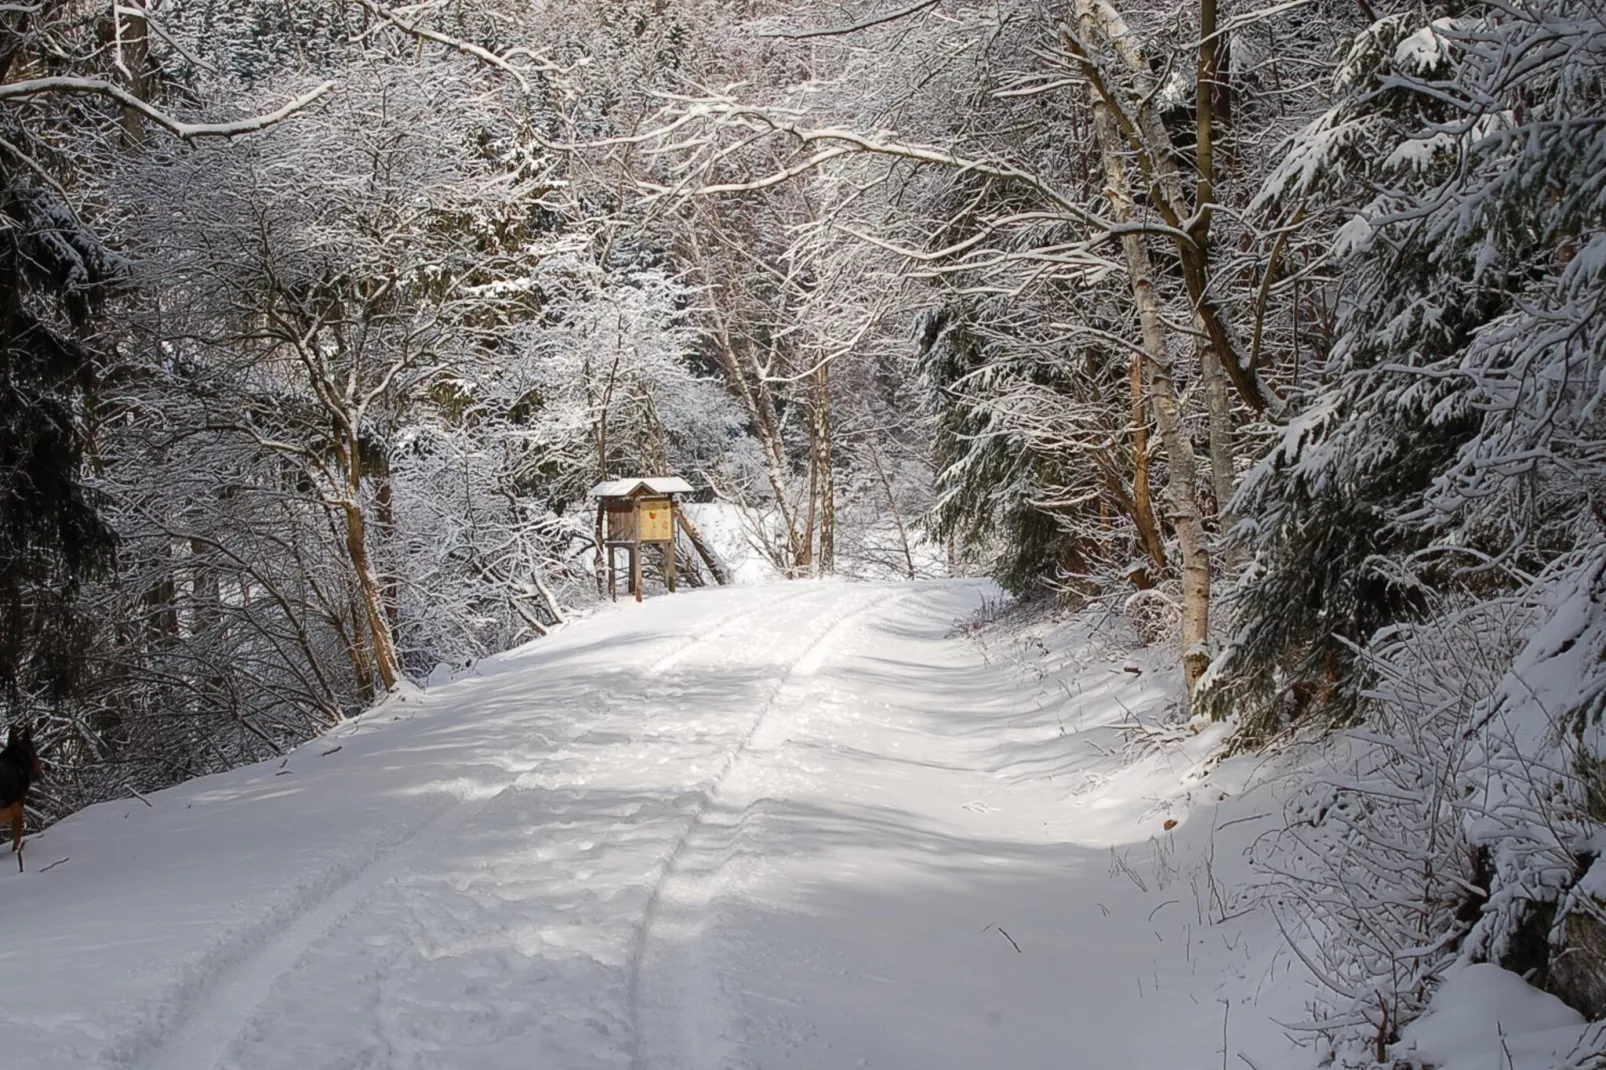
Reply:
x=54, y=274
x=1453, y=448
x=993, y=480
x=1427, y=534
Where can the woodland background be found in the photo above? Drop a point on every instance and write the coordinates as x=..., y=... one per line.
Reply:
x=1274, y=326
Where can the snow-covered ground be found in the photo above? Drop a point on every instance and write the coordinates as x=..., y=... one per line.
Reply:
x=801, y=825
x=731, y=536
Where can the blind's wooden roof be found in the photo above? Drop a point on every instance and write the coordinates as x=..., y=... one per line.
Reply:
x=624, y=488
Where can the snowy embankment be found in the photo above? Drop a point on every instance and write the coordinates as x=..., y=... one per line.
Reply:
x=797, y=825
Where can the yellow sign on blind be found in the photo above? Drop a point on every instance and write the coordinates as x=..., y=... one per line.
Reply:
x=657, y=522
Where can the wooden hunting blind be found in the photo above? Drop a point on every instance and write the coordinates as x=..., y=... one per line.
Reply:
x=644, y=511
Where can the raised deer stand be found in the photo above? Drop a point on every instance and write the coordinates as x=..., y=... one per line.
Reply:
x=640, y=512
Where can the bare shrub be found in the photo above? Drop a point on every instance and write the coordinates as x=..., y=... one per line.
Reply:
x=1448, y=827
x=1154, y=615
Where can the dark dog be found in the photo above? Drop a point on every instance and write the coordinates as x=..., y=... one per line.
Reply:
x=19, y=768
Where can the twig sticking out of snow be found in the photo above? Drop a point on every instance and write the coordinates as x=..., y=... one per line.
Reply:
x=1006, y=936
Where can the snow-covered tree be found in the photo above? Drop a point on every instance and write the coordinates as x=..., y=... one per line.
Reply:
x=79, y=85
x=1426, y=533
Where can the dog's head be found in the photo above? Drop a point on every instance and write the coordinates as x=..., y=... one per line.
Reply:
x=20, y=739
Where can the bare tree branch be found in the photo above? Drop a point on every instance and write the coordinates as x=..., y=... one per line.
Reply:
x=33, y=87
x=835, y=31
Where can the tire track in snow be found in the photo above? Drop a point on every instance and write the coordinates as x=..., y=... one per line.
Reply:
x=664, y=1013
x=203, y=1039
x=232, y=986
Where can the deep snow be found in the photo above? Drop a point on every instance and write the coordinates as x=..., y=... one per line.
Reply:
x=801, y=825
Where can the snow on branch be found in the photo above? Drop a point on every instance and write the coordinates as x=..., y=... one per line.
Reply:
x=831, y=143
x=33, y=87
x=864, y=24
x=500, y=61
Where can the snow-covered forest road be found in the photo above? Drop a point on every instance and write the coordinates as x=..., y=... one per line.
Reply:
x=801, y=826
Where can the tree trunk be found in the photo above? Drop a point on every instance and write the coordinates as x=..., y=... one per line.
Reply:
x=161, y=600
x=805, y=564
x=654, y=449
x=721, y=576
x=1208, y=89
x=603, y=570
x=386, y=664
x=767, y=422
x=892, y=504
x=822, y=440
x=757, y=400
x=1219, y=405
x=1205, y=84
x=390, y=584
x=1142, y=499
x=1138, y=123
x=356, y=649
x=1181, y=498
x=553, y=606
x=206, y=592
x=759, y=405
x=133, y=41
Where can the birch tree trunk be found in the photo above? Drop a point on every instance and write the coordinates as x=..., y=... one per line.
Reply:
x=1135, y=120
x=1181, y=499
x=806, y=562
x=827, y=482
x=768, y=422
